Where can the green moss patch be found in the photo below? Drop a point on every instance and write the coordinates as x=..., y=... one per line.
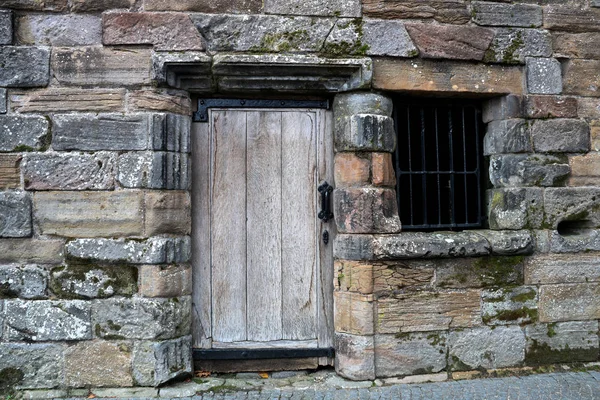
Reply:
x=541, y=353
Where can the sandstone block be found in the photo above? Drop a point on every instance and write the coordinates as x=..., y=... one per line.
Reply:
x=89, y=281
x=348, y=104
x=476, y=272
x=15, y=214
x=165, y=31
x=31, y=251
x=158, y=362
x=20, y=133
x=428, y=311
x=580, y=78
x=150, y=251
x=446, y=11
x=10, y=177
x=585, y=170
x=141, y=318
x=353, y=247
x=330, y=8
x=501, y=347
x=41, y=364
x=58, y=100
x=550, y=107
x=515, y=208
x=544, y=76
x=165, y=280
x=562, y=268
x=595, y=135
x=502, y=14
x=354, y=356
x=47, y=320
x=366, y=210
x=59, y=30
x=98, y=363
x=450, y=41
x=365, y=132
x=572, y=204
x=562, y=342
x=576, y=45
x=382, y=170
x=394, y=276
x=98, y=5
x=511, y=46
x=221, y=6
x=410, y=354
x=160, y=100
x=33, y=5
x=569, y=18
x=430, y=245
x=54, y=171
x=167, y=212
x=351, y=169
x=24, y=66
x=387, y=38
x=353, y=276
x=154, y=170
x=507, y=136
x=451, y=76
x=100, y=66
x=353, y=313
x=509, y=306
x=569, y=302
x=6, y=28
x=508, y=243
x=26, y=282
x=499, y=108
x=512, y=170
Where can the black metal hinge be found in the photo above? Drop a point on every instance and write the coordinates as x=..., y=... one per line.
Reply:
x=204, y=104
x=260, y=354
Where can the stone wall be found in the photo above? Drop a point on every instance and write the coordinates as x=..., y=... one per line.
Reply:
x=94, y=176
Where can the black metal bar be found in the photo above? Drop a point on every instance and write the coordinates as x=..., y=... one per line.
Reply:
x=465, y=164
x=204, y=104
x=260, y=354
x=452, y=199
x=478, y=166
x=423, y=166
x=412, y=220
x=437, y=166
x=397, y=162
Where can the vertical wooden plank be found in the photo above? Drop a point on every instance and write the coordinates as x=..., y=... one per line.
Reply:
x=228, y=222
x=201, y=290
x=264, y=225
x=299, y=241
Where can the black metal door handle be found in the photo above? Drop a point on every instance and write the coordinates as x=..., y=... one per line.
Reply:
x=325, y=214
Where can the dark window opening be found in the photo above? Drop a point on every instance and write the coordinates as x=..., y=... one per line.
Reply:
x=439, y=163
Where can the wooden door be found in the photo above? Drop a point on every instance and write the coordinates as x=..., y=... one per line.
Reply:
x=263, y=277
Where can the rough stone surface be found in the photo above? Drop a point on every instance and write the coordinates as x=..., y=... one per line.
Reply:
x=585, y=170
x=476, y=272
x=451, y=41
x=562, y=268
x=348, y=104
x=166, y=31
x=509, y=306
x=430, y=245
x=589, y=108
x=446, y=11
x=355, y=356
x=507, y=136
x=576, y=45
x=544, y=76
x=340, y=8
x=366, y=210
x=24, y=66
x=499, y=108
x=165, y=280
x=382, y=170
x=353, y=313
x=68, y=100
x=563, y=342
x=31, y=251
x=154, y=170
x=353, y=276
x=98, y=5
x=26, y=282
x=365, y=132
x=508, y=243
x=410, y=354
x=512, y=170
x=15, y=214
x=47, y=320
x=81, y=281
x=90, y=214
x=501, y=14
x=580, y=78
x=151, y=251
x=388, y=277
x=222, y=6
x=160, y=100
x=98, y=363
x=353, y=247
x=100, y=66
x=511, y=46
x=488, y=348
x=141, y=318
x=59, y=30
x=157, y=362
x=54, y=171
x=572, y=204
x=387, y=38
x=576, y=240
x=515, y=208
x=167, y=212
x=550, y=107
x=351, y=169
x=20, y=133
x=6, y=28
x=3, y=107
x=569, y=18
x=10, y=176
x=42, y=364
x=569, y=302
x=170, y=132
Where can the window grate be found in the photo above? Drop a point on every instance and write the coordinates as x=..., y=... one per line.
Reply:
x=438, y=162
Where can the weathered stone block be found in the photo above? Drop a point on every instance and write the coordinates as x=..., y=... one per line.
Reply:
x=222, y=6
x=41, y=364
x=574, y=239
x=428, y=311
x=382, y=170
x=585, y=170
x=31, y=251
x=47, y=320
x=20, y=133
x=569, y=18
x=67, y=100
x=477, y=272
x=365, y=132
x=499, y=108
x=513, y=170
x=154, y=170
x=353, y=313
x=550, y=107
x=165, y=31
x=98, y=5
x=26, y=282
x=89, y=281
x=15, y=214
x=158, y=362
x=165, y=280
x=544, y=76
x=410, y=354
x=142, y=318
x=580, y=78
x=508, y=243
x=353, y=276
x=451, y=41
x=90, y=214
x=387, y=38
x=400, y=275
x=563, y=342
x=6, y=28
x=503, y=346
x=502, y=14
x=160, y=100
x=33, y=5
x=150, y=251
x=576, y=45
x=511, y=46
x=447, y=11
x=348, y=104
x=24, y=66
x=351, y=169
x=167, y=212
x=430, y=245
x=59, y=30
x=366, y=210
x=100, y=66
x=54, y=171
x=339, y=8
x=507, y=136
x=509, y=306
x=171, y=132
x=572, y=204
x=98, y=363
x=353, y=247
x=569, y=302
x=515, y=208
x=562, y=268
x=354, y=356
x=452, y=76
x=3, y=107
x=589, y=108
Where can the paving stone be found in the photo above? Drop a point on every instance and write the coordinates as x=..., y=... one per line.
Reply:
x=580, y=79
x=23, y=133
x=507, y=136
x=89, y=281
x=15, y=214
x=446, y=11
x=501, y=108
x=569, y=302
x=58, y=30
x=221, y=6
x=340, y=8
x=505, y=306
x=355, y=356
x=141, y=318
x=569, y=18
x=24, y=66
x=513, y=45
x=363, y=210
x=165, y=280
x=515, y=208
x=127, y=393
x=562, y=342
x=6, y=27
x=550, y=107
x=31, y=251
x=576, y=45
x=47, y=320
x=512, y=170
x=501, y=14
x=154, y=170
x=572, y=204
x=24, y=281
x=67, y=100
x=41, y=365
x=365, y=132
x=167, y=212
x=410, y=354
x=158, y=362
x=544, y=75
x=98, y=363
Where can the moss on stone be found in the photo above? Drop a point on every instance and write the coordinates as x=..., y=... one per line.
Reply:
x=525, y=313
x=551, y=331
x=457, y=365
x=541, y=353
x=281, y=41
x=496, y=271
x=9, y=378
x=354, y=47
x=523, y=297
x=23, y=148
x=436, y=339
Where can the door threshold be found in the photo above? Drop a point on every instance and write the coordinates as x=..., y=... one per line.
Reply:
x=260, y=354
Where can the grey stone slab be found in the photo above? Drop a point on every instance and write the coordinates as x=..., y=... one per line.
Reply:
x=40, y=365
x=353, y=247
x=3, y=108
x=500, y=108
x=507, y=136
x=171, y=132
x=349, y=104
x=6, y=27
x=22, y=133
x=585, y=241
x=515, y=170
x=508, y=242
x=327, y=8
x=513, y=45
x=569, y=302
x=157, y=362
x=59, y=30
x=365, y=132
x=578, y=204
x=562, y=342
x=387, y=38
x=24, y=66
x=509, y=306
x=15, y=214
x=430, y=245
x=560, y=135
x=544, y=76
x=415, y=353
x=515, y=208
x=562, y=268
x=502, y=14
x=27, y=282
x=47, y=320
